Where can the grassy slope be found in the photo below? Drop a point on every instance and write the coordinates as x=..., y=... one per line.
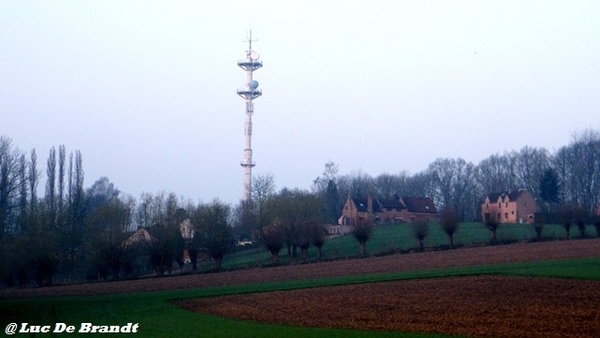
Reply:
x=396, y=237
x=157, y=316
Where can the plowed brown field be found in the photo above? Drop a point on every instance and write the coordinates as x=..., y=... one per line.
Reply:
x=472, y=306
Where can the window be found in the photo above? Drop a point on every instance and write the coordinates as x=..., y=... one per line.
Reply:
x=506, y=215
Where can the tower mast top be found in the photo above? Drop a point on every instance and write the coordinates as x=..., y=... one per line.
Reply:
x=249, y=40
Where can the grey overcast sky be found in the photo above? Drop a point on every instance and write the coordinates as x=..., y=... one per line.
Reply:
x=147, y=90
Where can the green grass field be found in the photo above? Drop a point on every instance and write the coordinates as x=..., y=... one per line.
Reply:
x=158, y=317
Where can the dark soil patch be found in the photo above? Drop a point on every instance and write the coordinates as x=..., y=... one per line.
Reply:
x=473, y=306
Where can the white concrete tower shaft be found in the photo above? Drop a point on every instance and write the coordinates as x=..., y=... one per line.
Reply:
x=249, y=92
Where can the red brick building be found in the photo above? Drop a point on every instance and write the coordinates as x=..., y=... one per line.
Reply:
x=509, y=207
x=396, y=210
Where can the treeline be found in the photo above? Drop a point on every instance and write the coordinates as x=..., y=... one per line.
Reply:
x=74, y=233
x=569, y=176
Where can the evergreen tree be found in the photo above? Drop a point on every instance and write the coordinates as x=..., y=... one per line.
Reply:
x=549, y=187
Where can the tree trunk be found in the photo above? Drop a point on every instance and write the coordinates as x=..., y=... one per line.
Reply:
x=274, y=257
x=194, y=258
x=362, y=248
x=493, y=236
x=304, y=254
x=538, y=233
x=218, y=262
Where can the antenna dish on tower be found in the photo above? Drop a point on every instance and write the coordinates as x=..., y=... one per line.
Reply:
x=253, y=84
x=254, y=55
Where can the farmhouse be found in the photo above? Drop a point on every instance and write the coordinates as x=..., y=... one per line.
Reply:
x=143, y=235
x=395, y=210
x=509, y=207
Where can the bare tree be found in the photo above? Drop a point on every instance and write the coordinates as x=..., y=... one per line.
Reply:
x=492, y=225
x=10, y=185
x=450, y=222
x=578, y=165
x=108, y=227
x=362, y=233
x=302, y=238
x=538, y=225
x=61, y=184
x=420, y=230
x=263, y=189
x=318, y=236
x=293, y=208
x=361, y=184
x=23, y=202
x=273, y=237
x=566, y=218
x=42, y=243
x=496, y=174
x=33, y=176
x=51, y=186
x=580, y=215
x=530, y=165
x=420, y=184
x=213, y=232
x=76, y=212
x=158, y=213
x=453, y=183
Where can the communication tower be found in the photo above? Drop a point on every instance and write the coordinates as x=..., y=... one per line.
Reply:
x=249, y=92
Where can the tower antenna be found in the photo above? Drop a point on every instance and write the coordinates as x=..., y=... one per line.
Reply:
x=249, y=92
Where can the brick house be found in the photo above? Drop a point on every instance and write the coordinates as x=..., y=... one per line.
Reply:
x=395, y=210
x=509, y=207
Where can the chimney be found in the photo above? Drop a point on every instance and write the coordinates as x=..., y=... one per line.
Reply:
x=369, y=204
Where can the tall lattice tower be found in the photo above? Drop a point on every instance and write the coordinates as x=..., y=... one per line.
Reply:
x=249, y=92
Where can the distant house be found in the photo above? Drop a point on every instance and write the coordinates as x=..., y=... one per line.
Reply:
x=140, y=236
x=143, y=235
x=509, y=207
x=395, y=210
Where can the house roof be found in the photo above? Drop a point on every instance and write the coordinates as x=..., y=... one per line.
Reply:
x=411, y=204
x=141, y=235
x=391, y=204
x=362, y=203
x=512, y=195
x=419, y=204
